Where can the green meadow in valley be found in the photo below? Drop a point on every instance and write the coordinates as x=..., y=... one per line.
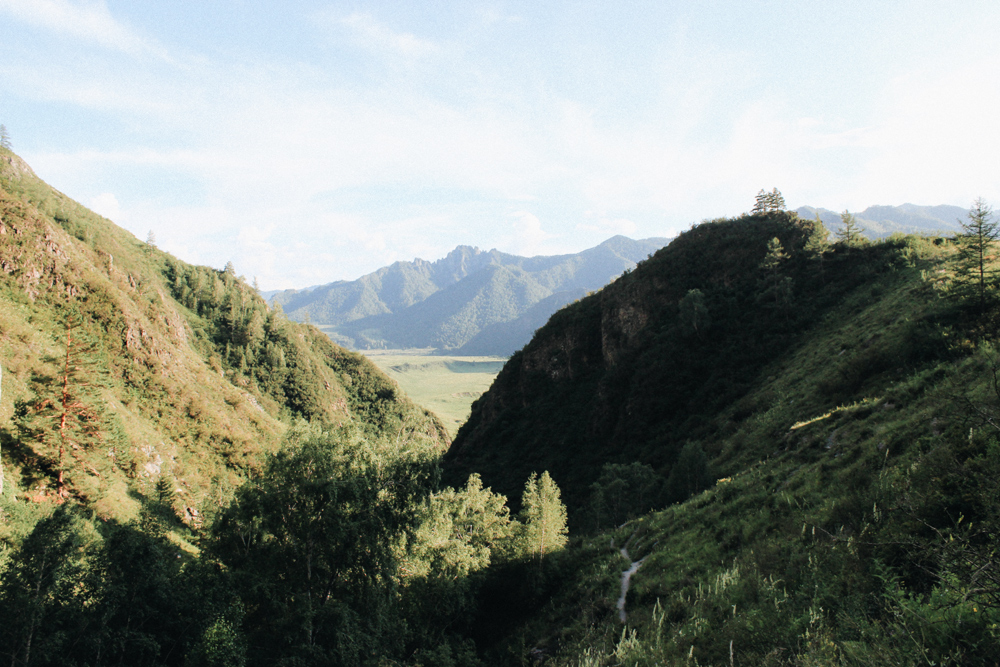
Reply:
x=445, y=385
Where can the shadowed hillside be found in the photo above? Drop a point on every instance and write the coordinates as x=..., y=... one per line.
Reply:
x=630, y=375
x=794, y=445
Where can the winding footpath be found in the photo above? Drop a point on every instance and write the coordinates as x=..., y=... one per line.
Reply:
x=626, y=578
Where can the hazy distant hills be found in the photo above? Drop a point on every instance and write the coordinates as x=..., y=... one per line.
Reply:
x=470, y=302
x=882, y=221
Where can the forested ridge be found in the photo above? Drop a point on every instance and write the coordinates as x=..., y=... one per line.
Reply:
x=792, y=439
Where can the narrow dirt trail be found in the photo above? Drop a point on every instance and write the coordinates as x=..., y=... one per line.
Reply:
x=626, y=579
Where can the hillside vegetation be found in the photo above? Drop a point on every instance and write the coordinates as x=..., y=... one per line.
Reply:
x=188, y=478
x=468, y=303
x=792, y=447
x=195, y=377
x=821, y=423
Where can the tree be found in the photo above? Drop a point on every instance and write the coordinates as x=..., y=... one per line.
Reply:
x=37, y=591
x=151, y=239
x=768, y=202
x=774, y=283
x=4, y=138
x=974, y=244
x=63, y=416
x=776, y=202
x=694, y=313
x=850, y=231
x=690, y=474
x=543, y=516
x=311, y=548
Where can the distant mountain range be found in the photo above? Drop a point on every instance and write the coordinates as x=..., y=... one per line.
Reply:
x=471, y=302
x=882, y=221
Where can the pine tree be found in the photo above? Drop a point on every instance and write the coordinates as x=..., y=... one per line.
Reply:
x=543, y=516
x=760, y=203
x=974, y=276
x=4, y=138
x=775, y=201
x=774, y=284
x=850, y=232
x=63, y=416
x=768, y=202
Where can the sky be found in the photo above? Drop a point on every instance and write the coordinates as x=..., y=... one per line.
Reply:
x=309, y=142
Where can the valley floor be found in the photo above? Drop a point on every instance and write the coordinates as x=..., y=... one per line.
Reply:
x=445, y=385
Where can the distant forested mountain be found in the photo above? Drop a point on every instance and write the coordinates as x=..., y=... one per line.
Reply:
x=469, y=302
x=881, y=221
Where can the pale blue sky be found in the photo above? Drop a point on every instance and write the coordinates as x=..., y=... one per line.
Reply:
x=314, y=141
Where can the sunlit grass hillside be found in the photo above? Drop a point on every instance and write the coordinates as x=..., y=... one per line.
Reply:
x=186, y=376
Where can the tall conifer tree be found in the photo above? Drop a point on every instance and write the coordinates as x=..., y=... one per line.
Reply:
x=63, y=416
x=975, y=243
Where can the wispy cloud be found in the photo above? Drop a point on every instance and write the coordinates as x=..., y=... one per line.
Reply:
x=371, y=34
x=90, y=21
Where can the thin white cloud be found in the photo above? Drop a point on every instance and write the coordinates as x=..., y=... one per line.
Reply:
x=376, y=36
x=90, y=21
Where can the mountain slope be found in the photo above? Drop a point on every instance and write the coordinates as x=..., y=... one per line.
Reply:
x=447, y=303
x=806, y=477
x=621, y=376
x=191, y=377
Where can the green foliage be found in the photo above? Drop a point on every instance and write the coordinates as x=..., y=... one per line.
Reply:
x=543, y=518
x=850, y=232
x=222, y=644
x=623, y=492
x=693, y=313
x=310, y=548
x=974, y=274
x=36, y=593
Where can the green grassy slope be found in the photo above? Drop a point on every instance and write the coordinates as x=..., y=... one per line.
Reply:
x=194, y=378
x=855, y=436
